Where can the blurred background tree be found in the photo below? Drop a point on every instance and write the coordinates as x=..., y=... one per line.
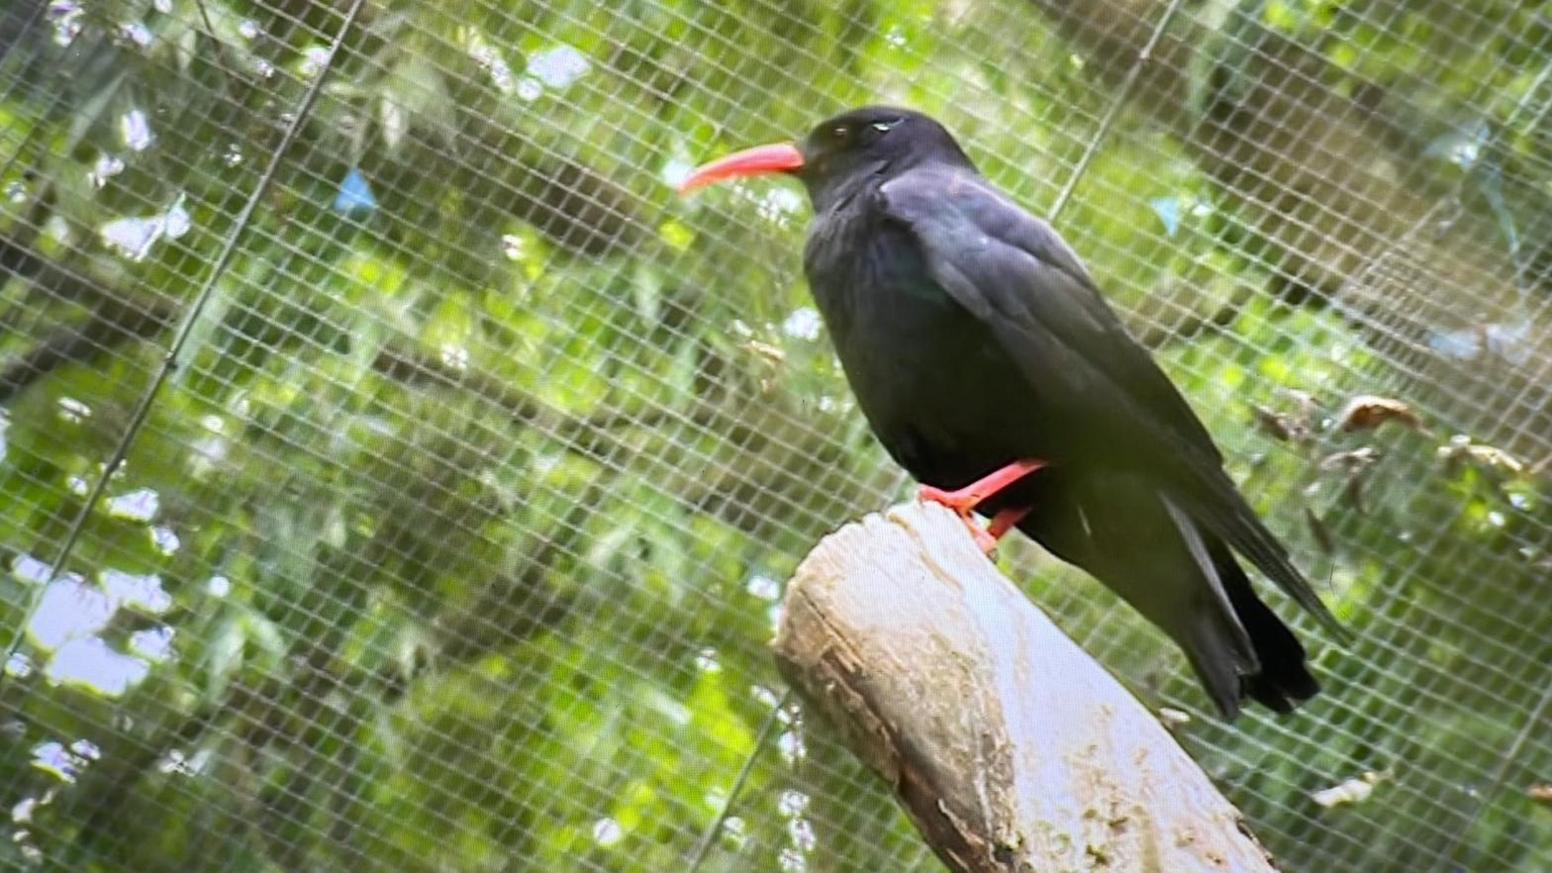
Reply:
x=399, y=476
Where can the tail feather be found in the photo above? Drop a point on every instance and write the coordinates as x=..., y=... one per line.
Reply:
x=1283, y=682
x=1276, y=677
x=1175, y=567
x=1229, y=518
x=1272, y=672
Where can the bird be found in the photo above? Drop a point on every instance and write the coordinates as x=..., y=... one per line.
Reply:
x=989, y=365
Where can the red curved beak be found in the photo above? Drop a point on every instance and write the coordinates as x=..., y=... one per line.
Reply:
x=778, y=158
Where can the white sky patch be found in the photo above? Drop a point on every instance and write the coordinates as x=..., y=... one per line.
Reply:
x=165, y=541
x=676, y=170
x=455, y=356
x=763, y=587
x=106, y=167
x=607, y=832
x=193, y=765
x=792, y=802
x=73, y=410
x=92, y=663
x=143, y=592
x=58, y=229
x=779, y=204
x=133, y=237
x=21, y=813
x=135, y=127
x=153, y=644
x=787, y=200
x=559, y=66
x=314, y=58
x=67, y=21
x=29, y=569
x=490, y=60
x=137, y=33
x=801, y=832
x=207, y=453
x=736, y=830
x=53, y=758
x=791, y=745
x=764, y=695
x=529, y=88
x=138, y=505
x=803, y=324
x=18, y=665
x=70, y=609
x=71, y=614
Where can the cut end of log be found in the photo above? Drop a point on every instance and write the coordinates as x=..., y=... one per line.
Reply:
x=1008, y=746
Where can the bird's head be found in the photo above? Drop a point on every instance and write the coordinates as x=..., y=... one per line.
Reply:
x=874, y=142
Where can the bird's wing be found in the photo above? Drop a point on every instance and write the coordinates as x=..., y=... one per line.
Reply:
x=1013, y=272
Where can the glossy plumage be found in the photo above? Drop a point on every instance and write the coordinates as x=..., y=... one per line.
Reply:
x=973, y=336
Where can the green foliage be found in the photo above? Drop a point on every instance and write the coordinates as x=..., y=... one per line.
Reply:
x=462, y=515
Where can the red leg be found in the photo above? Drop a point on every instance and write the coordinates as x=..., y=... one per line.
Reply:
x=969, y=497
x=1004, y=521
x=964, y=501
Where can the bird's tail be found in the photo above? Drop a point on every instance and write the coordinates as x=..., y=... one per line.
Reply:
x=1276, y=678
x=1240, y=648
x=1180, y=574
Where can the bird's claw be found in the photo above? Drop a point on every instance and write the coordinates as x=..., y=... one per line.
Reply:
x=958, y=501
x=983, y=538
x=964, y=501
x=965, y=509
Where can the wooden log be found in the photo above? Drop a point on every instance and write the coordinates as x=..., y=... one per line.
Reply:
x=1008, y=746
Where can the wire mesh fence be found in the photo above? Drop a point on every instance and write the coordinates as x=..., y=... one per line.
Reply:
x=398, y=476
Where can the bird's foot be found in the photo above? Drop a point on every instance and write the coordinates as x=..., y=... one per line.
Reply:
x=964, y=501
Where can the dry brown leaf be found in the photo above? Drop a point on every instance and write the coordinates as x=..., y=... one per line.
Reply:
x=1541, y=467
x=1369, y=411
x=1321, y=532
x=1278, y=426
x=1355, y=790
x=1309, y=407
x=1461, y=448
x=774, y=354
x=1354, y=461
x=1352, y=492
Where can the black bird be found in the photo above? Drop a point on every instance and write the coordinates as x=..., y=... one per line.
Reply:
x=991, y=368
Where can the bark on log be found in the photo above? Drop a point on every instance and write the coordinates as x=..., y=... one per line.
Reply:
x=1007, y=745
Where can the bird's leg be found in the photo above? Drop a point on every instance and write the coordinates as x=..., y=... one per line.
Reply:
x=1005, y=519
x=964, y=501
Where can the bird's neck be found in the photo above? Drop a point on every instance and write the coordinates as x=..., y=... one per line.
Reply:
x=838, y=191
x=834, y=190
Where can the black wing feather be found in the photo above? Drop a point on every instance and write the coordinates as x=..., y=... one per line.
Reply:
x=1013, y=272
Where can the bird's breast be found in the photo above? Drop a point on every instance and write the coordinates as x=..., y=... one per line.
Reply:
x=937, y=388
